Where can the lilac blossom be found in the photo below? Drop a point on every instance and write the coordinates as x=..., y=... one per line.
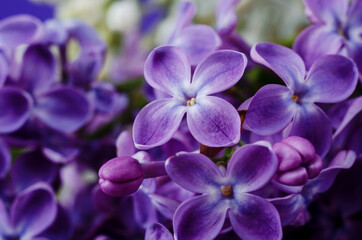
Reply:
x=336, y=29
x=293, y=208
x=32, y=211
x=331, y=79
x=211, y=120
x=225, y=194
x=198, y=41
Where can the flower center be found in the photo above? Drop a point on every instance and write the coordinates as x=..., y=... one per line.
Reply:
x=191, y=102
x=295, y=98
x=226, y=190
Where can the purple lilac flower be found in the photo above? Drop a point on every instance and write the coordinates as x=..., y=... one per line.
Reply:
x=225, y=195
x=32, y=211
x=293, y=208
x=331, y=79
x=336, y=29
x=211, y=120
x=197, y=40
x=298, y=161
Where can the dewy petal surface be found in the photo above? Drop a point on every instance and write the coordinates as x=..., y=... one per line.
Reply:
x=331, y=79
x=251, y=167
x=270, y=110
x=168, y=69
x=282, y=60
x=34, y=210
x=15, y=107
x=19, y=29
x=253, y=217
x=214, y=122
x=65, y=109
x=218, y=72
x=199, y=218
x=156, y=123
x=38, y=70
x=311, y=122
x=194, y=172
x=198, y=41
x=316, y=41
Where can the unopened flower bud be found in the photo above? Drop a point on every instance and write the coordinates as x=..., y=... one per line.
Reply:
x=298, y=161
x=120, y=176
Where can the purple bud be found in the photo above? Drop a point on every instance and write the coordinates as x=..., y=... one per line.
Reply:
x=120, y=176
x=298, y=161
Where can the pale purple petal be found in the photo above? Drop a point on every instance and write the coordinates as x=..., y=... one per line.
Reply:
x=158, y=232
x=5, y=223
x=124, y=144
x=15, y=107
x=331, y=79
x=143, y=210
x=290, y=208
x=5, y=158
x=218, y=72
x=270, y=110
x=342, y=160
x=194, y=172
x=19, y=29
x=199, y=218
x=316, y=41
x=251, y=167
x=198, y=41
x=226, y=18
x=34, y=210
x=354, y=109
x=186, y=11
x=214, y=122
x=253, y=217
x=156, y=123
x=282, y=60
x=311, y=122
x=354, y=51
x=4, y=68
x=327, y=11
x=168, y=69
x=64, y=109
x=38, y=70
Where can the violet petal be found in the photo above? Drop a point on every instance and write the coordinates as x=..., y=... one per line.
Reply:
x=156, y=123
x=214, y=122
x=194, y=172
x=327, y=11
x=4, y=68
x=158, y=232
x=5, y=159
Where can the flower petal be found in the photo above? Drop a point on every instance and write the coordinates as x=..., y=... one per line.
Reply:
x=124, y=144
x=34, y=210
x=198, y=41
x=4, y=68
x=5, y=223
x=354, y=51
x=253, y=217
x=331, y=79
x=311, y=122
x=270, y=110
x=156, y=123
x=214, y=122
x=168, y=69
x=5, y=158
x=186, y=11
x=194, y=172
x=61, y=228
x=282, y=60
x=218, y=72
x=251, y=167
x=64, y=109
x=15, y=106
x=316, y=41
x=327, y=11
x=158, y=232
x=19, y=29
x=199, y=218
x=38, y=70
x=226, y=18
x=290, y=208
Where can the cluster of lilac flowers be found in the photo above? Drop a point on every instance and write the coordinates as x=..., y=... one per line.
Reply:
x=203, y=137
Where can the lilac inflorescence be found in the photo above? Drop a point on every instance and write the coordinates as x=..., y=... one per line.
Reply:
x=167, y=120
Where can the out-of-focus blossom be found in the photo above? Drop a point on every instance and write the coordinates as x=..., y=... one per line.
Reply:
x=123, y=16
